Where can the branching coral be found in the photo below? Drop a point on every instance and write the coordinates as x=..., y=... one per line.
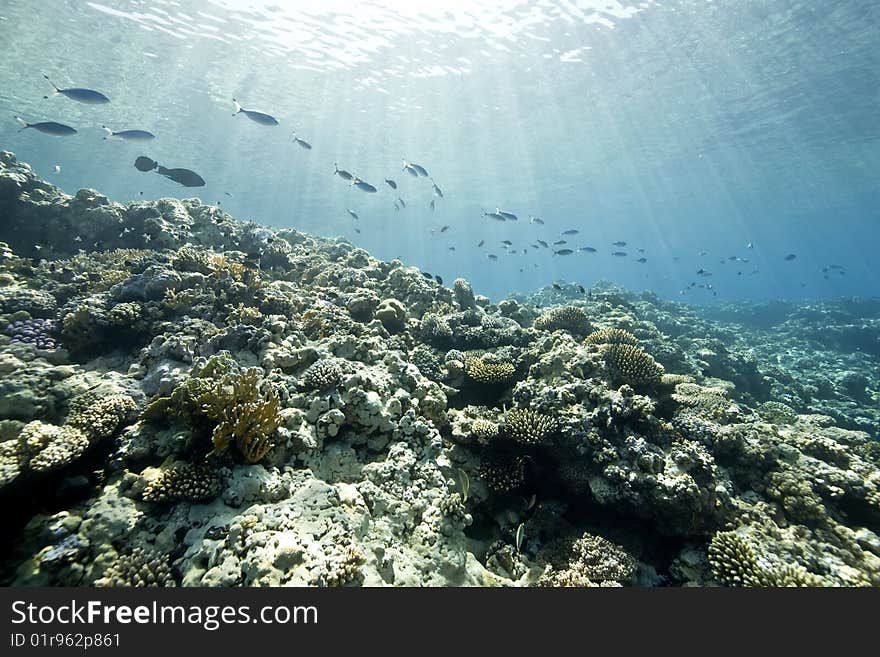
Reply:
x=631, y=364
x=589, y=561
x=142, y=567
x=735, y=563
x=184, y=482
x=611, y=336
x=321, y=375
x=529, y=427
x=566, y=318
x=488, y=372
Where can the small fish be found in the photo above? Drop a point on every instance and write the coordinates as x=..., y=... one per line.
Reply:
x=184, y=177
x=129, y=135
x=640, y=250
x=563, y=252
x=507, y=215
x=494, y=215
x=364, y=185
x=357, y=230
x=419, y=169
x=525, y=251
x=704, y=272
x=642, y=259
x=544, y=244
x=588, y=249
x=301, y=142
x=619, y=254
x=790, y=257
x=618, y=243
x=507, y=242
x=431, y=205
x=227, y=193
x=144, y=163
x=253, y=115
x=88, y=96
x=353, y=214
x=47, y=127
x=492, y=256
x=444, y=229
x=342, y=173
x=750, y=246
x=451, y=248
x=580, y=288
x=400, y=200
x=465, y=484
x=391, y=183
x=438, y=279
x=481, y=243
x=535, y=220
x=559, y=242
x=411, y=170
x=534, y=246
x=557, y=286
x=570, y=231
x=530, y=503
x=520, y=532
x=427, y=275
x=57, y=168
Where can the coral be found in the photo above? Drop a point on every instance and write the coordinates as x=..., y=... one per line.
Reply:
x=735, y=563
x=141, y=567
x=500, y=470
x=464, y=294
x=566, y=318
x=435, y=329
x=426, y=360
x=46, y=447
x=484, y=430
x=184, y=482
x=100, y=416
x=322, y=375
x=589, y=561
x=777, y=412
x=246, y=415
x=631, y=364
x=392, y=314
x=529, y=427
x=611, y=336
x=484, y=371
x=38, y=332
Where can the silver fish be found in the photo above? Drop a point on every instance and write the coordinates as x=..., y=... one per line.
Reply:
x=342, y=173
x=364, y=185
x=253, y=115
x=353, y=214
x=437, y=190
x=301, y=142
x=47, y=127
x=88, y=96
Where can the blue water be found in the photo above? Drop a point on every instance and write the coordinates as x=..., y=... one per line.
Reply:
x=682, y=128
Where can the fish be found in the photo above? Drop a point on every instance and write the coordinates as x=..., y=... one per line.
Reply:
x=535, y=220
x=87, y=96
x=47, y=127
x=640, y=250
x=563, y=252
x=431, y=205
x=342, y=173
x=353, y=214
x=570, y=231
x=184, y=177
x=704, y=272
x=588, y=249
x=253, y=115
x=364, y=185
x=618, y=243
x=559, y=242
x=420, y=170
x=750, y=246
x=301, y=142
x=144, y=163
x=391, y=183
x=357, y=230
x=400, y=200
x=492, y=256
x=642, y=259
x=427, y=275
x=520, y=532
x=580, y=288
x=619, y=254
x=411, y=170
x=509, y=216
x=790, y=257
x=534, y=246
x=482, y=242
x=438, y=279
x=437, y=190
x=57, y=168
x=557, y=286
x=444, y=229
x=129, y=135
x=495, y=215
x=507, y=242
x=525, y=251
x=544, y=244
x=451, y=248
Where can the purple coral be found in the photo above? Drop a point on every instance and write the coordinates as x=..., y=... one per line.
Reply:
x=38, y=332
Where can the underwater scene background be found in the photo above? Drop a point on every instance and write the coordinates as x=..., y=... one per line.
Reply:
x=473, y=294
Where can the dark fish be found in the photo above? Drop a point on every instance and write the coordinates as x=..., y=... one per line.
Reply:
x=619, y=254
x=129, y=135
x=144, y=163
x=525, y=251
x=618, y=243
x=482, y=242
x=353, y=214
x=557, y=286
x=494, y=215
x=507, y=215
x=451, y=248
x=642, y=259
x=570, y=231
x=563, y=252
x=640, y=250
x=419, y=169
x=400, y=200
x=438, y=279
x=48, y=127
x=580, y=288
x=342, y=173
x=544, y=244
x=436, y=189
x=559, y=242
x=790, y=256
x=703, y=272
x=535, y=220
x=444, y=229
x=492, y=256
x=357, y=230
x=364, y=185
x=534, y=246
x=391, y=183
x=227, y=193
x=88, y=96
x=253, y=115
x=507, y=242
x=427, y=275
x=301, y=142
x=588, y=249
x=431, y=205
x=183, y=177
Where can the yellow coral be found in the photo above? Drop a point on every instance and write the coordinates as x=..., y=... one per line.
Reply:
x=483, y=371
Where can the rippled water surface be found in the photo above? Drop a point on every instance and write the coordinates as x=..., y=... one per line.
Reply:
x=688, y=129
